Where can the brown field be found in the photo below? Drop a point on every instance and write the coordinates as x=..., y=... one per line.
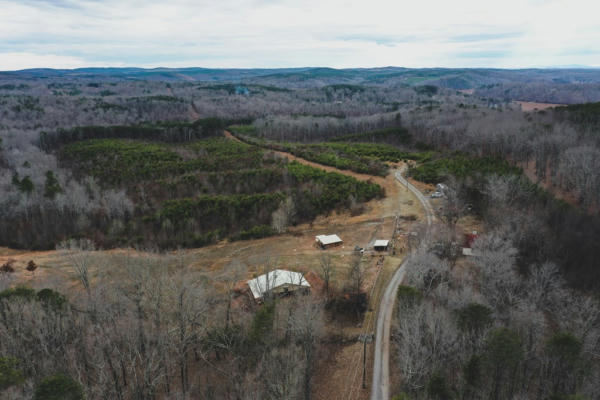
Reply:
x=528, y=106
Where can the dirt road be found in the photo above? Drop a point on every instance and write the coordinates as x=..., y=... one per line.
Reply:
x=381, y=371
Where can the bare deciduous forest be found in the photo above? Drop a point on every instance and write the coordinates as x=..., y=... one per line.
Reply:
x=122, y=175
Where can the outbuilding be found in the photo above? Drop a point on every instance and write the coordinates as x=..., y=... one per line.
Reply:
x=326, y=241
x=279, y=282
x=381, y=245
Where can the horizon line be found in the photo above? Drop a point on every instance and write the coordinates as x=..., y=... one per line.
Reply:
x=557, y=67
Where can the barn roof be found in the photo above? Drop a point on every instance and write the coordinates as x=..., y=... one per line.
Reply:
x=328, y=239
x=271, y=280
x=381, y=243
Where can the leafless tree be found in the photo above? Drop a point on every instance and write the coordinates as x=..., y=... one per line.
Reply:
x=308, y=325
x=495, y=258
x=79, y=253
x=425, y=271
x=187, y=299
x=326, y=268
x=454, y=207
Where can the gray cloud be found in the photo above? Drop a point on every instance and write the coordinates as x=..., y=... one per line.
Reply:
x=263, y=33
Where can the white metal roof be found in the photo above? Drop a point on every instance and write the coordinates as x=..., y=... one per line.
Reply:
x=328, y=239
x=381, y=243
x=274, y=279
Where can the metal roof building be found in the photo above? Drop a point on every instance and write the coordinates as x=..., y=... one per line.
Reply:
x=278, y=281
x=328, y=240
x=381, y=244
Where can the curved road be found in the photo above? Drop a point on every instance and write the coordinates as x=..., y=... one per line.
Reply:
x=381, y=364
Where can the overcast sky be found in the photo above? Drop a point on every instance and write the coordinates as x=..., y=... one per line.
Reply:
x=298, y=33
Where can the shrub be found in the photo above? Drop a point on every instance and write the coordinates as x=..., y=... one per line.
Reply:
x=565, y=348
x=24, y=185
x=503, y=352
x=51, y=298
x=437, y=388
x=474, y=317
x=52, y=186
x=262, y=323
x=47, y=297
x=21, y=292
x=58, y=387
x=7, y=267
x=9, y=374
x=472, y=371
x=31, y=266
x=408, y=296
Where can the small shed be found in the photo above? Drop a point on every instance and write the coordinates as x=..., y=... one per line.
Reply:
x=381, y=245
x=279, y=281
x=326, y=241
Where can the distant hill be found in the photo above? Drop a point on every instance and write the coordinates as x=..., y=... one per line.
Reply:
x=154, y=74
x=460, y=78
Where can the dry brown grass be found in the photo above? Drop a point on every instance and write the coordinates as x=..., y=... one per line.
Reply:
x=528, y=106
